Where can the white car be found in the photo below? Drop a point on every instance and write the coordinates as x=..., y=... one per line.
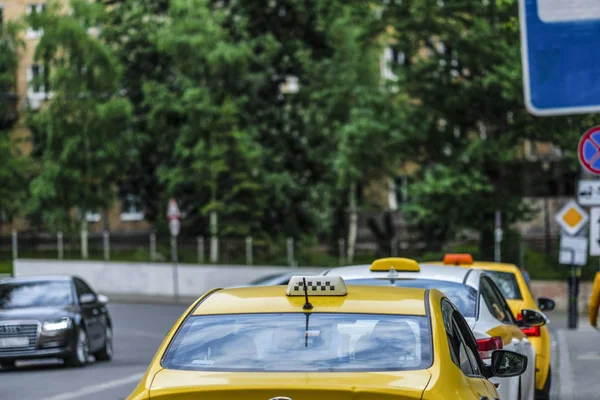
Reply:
x=478, y=299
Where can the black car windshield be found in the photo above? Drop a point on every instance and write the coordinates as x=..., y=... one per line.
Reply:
x=507, y=282
x=295, y=342
x=35, y=294
x=463, y=296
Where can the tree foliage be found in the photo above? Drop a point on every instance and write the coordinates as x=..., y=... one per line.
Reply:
x=84, y=126
x=14, y=168
x=460, y=63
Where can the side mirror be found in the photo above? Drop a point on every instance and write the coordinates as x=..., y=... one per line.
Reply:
x=506, y=364
x=546, y=304
x=87, y=298
x=533, y=318
x=102, y=299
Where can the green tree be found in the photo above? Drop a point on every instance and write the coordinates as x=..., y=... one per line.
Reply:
x=460, y=64
x=83, y=127
x=130, y=31
x=14, y=167
x=216, y=162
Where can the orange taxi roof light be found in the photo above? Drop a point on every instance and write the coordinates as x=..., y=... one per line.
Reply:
x=399, y=264
x=458, y=259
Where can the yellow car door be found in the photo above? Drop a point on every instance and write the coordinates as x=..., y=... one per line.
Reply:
x=463, y=349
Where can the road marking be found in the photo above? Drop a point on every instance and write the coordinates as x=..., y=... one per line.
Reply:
x=565, y=371
x=101, y=387
x=593, y=356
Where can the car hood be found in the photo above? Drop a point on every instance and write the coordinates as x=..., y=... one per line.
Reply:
x=34, y=313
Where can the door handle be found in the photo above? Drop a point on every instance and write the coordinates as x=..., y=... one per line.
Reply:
x=484, y=398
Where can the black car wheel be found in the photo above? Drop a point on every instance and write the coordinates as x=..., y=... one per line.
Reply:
x=81, y=351
x=106, y=353
x=544, y=394
x=7, y=364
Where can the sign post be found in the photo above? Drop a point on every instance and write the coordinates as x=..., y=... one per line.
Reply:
x=561, y=61
x=573, y=251
x=174, y=216
x=498, y=237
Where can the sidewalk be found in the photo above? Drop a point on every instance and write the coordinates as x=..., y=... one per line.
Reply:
x=576, y=362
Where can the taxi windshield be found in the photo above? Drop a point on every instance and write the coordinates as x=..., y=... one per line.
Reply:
x=507, y=282
x=463, y=296
x=295, y=342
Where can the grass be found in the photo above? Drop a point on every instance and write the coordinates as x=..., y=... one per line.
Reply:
x=5, y=267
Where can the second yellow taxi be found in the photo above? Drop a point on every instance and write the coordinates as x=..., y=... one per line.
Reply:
x=320, y=339
x=514, y=284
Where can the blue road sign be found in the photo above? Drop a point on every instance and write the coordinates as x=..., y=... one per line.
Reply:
x=560, y=43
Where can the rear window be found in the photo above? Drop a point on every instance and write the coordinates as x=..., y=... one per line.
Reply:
x=295, y=342
x=507, y=283
x=463, y=296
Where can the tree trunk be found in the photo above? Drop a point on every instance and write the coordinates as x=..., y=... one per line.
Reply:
x=352, y=224
x=486, y=239
x=84, y=236
x=105, y=221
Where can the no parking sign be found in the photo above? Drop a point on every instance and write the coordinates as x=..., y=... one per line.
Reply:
x=589, y=150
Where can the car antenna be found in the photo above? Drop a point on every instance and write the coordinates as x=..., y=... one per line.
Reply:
x=307, y=305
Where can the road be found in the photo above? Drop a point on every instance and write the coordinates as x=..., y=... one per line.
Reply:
x=576, y=361
x=139, y=330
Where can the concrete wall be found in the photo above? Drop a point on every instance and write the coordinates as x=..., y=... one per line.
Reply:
x=154, y=281
x=148, y=281
x=557, y=290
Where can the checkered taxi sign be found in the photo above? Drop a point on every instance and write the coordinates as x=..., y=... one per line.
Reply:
x=317, y=286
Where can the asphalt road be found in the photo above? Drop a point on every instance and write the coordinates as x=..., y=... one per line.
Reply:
x=576, y=360
x=138, y=329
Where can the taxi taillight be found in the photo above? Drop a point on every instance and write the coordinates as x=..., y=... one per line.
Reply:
x=529, y=330
x=488, y=345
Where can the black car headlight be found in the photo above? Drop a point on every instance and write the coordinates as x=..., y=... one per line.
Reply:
x=57, y=325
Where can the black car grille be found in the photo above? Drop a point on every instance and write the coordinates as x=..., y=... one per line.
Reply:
x=30, y=331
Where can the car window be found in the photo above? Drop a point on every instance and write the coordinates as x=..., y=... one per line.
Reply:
x=453, y=340
x=493, y=301
x=527, y=279
x=507, y=282
x=509, y=318
x=36, y=294
x=295, y=342
x=82, y=288
x=469, y=362
x=462, y=296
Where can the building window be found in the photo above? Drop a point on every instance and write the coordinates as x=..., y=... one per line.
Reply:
x=92, y=216
x=131, y=208
x=38, y=84
x=33, y=9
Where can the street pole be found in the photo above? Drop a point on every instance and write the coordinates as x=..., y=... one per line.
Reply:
x=175, y=267
x=572, y=290
x=498, y=236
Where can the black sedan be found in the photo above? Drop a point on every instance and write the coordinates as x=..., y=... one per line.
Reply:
x=53, y=317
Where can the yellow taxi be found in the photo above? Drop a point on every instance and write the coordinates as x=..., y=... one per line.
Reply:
x=320, y=339
x=514, y=284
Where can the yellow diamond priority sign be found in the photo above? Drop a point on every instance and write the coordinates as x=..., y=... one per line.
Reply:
x=572, y=218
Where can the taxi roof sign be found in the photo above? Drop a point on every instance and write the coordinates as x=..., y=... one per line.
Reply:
x=458, y=259
x=398, y=264
x=317, y=286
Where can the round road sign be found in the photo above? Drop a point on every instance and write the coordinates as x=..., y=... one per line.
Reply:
x=589, y=150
